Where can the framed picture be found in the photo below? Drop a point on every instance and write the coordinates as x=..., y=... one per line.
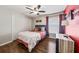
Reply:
x=38, y=20
x=70, y=15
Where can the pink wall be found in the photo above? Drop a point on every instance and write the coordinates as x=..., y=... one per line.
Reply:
x=73, y=30
x=73, y=27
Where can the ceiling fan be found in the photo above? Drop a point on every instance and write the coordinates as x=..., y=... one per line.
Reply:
x=35, y=9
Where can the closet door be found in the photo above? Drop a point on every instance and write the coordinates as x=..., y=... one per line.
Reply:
x=53, y=24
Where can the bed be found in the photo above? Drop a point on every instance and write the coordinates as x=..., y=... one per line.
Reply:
x=31, y=38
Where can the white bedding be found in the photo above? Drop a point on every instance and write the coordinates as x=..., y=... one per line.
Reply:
x=31, y=38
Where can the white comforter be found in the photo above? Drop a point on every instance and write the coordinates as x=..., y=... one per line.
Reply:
x=31, y=38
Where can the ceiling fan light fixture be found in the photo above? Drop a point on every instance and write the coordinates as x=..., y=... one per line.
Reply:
x=35, y=9
x=35, y=12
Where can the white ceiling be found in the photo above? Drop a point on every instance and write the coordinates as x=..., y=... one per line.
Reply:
x=48, y=8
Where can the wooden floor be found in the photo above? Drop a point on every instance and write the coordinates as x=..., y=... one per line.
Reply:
x=44, y=46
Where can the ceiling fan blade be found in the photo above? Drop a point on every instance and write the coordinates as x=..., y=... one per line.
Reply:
x=37, y=8
x=29, y=8
x=41, y=11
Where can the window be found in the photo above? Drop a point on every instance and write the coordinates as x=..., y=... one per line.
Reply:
x=53, y=24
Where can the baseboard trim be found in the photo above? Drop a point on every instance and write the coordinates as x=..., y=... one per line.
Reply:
x=6, y=43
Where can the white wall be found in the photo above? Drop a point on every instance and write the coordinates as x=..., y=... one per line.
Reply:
x=5, y=25
x=12, y=22
x=42, y=18
x=20, y=23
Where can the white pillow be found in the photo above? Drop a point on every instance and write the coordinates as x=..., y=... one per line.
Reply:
x=42, y=28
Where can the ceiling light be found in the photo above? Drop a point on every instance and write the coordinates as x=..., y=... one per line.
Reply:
x=35, y=12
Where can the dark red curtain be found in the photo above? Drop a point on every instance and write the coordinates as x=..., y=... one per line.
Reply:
x=61, y=28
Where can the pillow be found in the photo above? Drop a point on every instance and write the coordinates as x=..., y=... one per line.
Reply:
x=42, y=28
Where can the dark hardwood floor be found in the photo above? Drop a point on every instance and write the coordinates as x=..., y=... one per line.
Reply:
x=43, y=46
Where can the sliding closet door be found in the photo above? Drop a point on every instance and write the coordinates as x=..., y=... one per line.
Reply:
x=53, y=24
x=5, y=26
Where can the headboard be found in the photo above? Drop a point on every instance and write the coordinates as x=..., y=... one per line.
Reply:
x=42, y=26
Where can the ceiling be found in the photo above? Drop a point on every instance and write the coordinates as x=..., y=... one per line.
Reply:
x=48, y=8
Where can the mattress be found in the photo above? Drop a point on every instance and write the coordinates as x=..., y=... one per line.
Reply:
x=30, y=39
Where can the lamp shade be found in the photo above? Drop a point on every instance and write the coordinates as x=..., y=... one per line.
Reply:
x=65, y=23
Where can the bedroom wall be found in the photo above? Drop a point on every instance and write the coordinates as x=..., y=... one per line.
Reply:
x=12, y=22
x=73, y=27
x=20, y=23
x=5, y=25
x=43, y=20
x=73, y=30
